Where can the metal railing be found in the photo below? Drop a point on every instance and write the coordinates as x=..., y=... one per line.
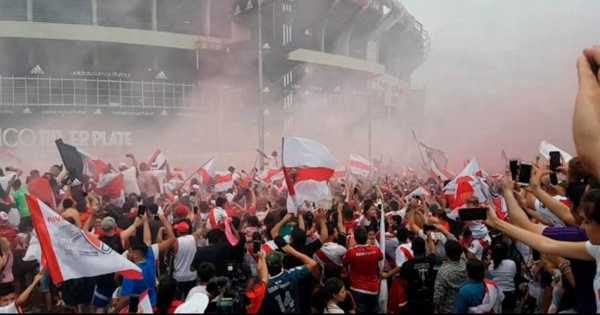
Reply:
x=48, y=91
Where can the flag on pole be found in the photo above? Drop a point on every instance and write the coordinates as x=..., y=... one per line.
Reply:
x=360, y=166
x=272, y=175
x=206, y=172
x=436, y=161
x=158, y=160
x=71, y=253
x=467, y=184
x=419, y=192
x=340, y=172
x=547, y=147
x=223, y=181
x=307, y=167
x=79, y=163
x=111, y=185
x=40, y=188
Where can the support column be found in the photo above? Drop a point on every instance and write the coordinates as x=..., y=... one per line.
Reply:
x=207, y=16
x=29, y=10
x=154, y=15
x=95, y=12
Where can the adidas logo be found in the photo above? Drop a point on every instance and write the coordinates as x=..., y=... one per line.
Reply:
x=37, y=70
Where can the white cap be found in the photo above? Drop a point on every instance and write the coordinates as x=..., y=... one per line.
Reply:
x=196, y=304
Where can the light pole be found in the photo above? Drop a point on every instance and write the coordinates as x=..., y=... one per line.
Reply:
x=261, y=116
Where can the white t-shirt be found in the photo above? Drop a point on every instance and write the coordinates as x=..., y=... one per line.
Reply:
x=9, y=309
x=400, y=256
x=186, y=250
x=594, y=251
x=332, y=308
x=130, y=185
x=476, y=249
x=504, y=275
x=196, y=289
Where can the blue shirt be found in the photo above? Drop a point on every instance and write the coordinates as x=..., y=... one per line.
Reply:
x=470, y=294
x=282, y=292
x=137, y=287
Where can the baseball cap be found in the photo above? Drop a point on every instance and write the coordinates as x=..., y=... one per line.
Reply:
x=108, y=223
x=182, y=211
x=182, y=227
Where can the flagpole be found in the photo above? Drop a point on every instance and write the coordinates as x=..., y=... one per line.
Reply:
x=419, y=148
x=194, y=173
x=261, y=115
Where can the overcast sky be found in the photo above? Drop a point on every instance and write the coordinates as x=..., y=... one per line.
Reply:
x=501, y=73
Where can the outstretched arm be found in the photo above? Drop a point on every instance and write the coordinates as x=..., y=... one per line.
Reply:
x=24, y=296
x=586, y=119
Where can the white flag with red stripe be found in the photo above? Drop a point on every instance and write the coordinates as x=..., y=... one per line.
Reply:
x=111, y=185
x=547, y=147
x=272, y=175
x=206, y=172
x=307, y=166
x=340, y=172
x=223, y=181
x=71, y=253
x=360, y=166
x=158, y=160
x=469, y=183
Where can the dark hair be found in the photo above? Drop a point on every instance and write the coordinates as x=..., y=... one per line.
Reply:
x=347, y=212
x=360, y=235
x=453, y=250
x=253, y=221
x=216, y=236
x=418, y=246
x=206, y=271
x=402, y=234
x=475, y=270
x=220, y=202
x=591, y=205
x=394, y=205
x=6, y=289
x=16, y=184
x=298, y=239
x=68, y=203
x=367, y=205
x=135, y=243
x=332, y=287
x=499, y=253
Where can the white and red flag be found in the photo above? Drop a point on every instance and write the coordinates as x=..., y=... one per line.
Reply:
x=307, y=166
x=340, y=172
x=71, y=253
x=547, y=147
x=206, y=171
x=272, y=175
x=223, y=181
x=360, y=166
x=111, y=185
x=158, y=160
x=469, y=183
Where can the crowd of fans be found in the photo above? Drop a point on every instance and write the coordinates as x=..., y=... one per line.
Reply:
x=241, y=251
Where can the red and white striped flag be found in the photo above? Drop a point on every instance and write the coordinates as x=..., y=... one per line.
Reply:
x=272, y=175
x=71, y=253
x=223, y=181
x=158, y=160
x=206, y=172
x=307, y=166
x=360, y=166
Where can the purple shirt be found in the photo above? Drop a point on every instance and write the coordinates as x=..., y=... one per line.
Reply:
x=583, y=271
x=566, y=234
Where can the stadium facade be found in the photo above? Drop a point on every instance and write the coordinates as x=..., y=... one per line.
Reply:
x=130, y=61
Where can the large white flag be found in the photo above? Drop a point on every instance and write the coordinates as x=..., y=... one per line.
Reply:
x=223, y=181
x=307, y=166
x=547, y=147
x=360, y=166
x=71, y=253
x=206, y=171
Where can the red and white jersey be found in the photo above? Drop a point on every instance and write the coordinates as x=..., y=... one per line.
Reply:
x=217, y=218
